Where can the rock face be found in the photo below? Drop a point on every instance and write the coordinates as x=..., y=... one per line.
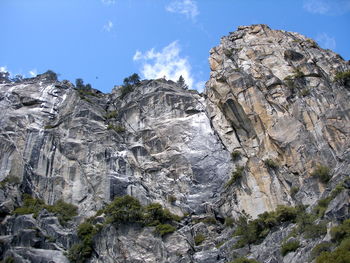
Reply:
x=271, y=95
x=271, y=100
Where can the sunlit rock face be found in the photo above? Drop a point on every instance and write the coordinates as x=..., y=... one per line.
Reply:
x=272, y=100
x=272, y=95
x=60, y=145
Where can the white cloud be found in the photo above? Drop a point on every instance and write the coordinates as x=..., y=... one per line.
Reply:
x=188, y=8
x=327, y=7
x=108, y=2
x=166, y=62
x=137, y=56
x=108, y=27
x=316, y=6
x=326, y=41
x=33, y=73
x=200, y=85
x=3, y=69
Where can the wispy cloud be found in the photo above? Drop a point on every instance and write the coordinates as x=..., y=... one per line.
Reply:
x=33, y=72
x=166, y=62
x=108, y=26
x=327, y=7
x=326, y=41
x=108, y=2
x=200, y=85
x=188, y=8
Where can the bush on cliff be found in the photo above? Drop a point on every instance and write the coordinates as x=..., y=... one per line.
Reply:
x=125, y=209
x=63, y=210
x=322, y=172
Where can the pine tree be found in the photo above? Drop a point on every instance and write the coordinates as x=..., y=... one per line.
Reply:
x=79, y=83
x=181, y=82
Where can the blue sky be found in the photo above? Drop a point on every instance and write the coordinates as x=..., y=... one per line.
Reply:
x=103, y=41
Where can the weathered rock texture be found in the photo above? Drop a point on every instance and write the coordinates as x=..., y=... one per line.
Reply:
x=271, y=95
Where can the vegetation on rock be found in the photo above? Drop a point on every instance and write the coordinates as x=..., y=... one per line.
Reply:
x=271, y=164
x=236, y=175
x=342, y=77
x=122, y=210
x=289, y=246
x=111, y=115
x=340, y=255
x=235, y=155
x=116, y=128
x=128, y=84
x=253, y=231
x=322, y=204
x=322, y=172
x=244, y=260
x=11, y=179
x=198, y=239
x=63, y=210
x=324, y=246
x=163, y=229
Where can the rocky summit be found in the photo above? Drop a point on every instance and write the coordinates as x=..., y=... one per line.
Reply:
x=254, y=169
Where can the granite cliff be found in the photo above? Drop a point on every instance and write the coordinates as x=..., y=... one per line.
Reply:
x=271, y=128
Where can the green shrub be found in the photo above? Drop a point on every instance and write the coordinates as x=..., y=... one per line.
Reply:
x=116, y=128
x=287, y=213
x=155, y=214
x=290, y=83
x=271, y=164
x=322, y=172
x=337, y=190
x=244, y=260
x=111, y=115
x=8, y=260
x=294, y=190
x=129, y=82
x=321, y=206
x=85, y=92
x=126, y=89
x=289, y=247
x=322, y=247
x=315, y=231
x=236, y=175
x=64, y=211
x=210, y=221
x=304, y=220
x=311, y=42
x=342, y=77
x=218, y=245
x=235, y=155
x=30, y=206
x=249, y=232
x=85, y=230
x=10, y=180
x=229, y=221
x=125, y=209
x=255, y=230
x=340, y=232
x=305, y=92
x=81, y=252
x=164, y=229
x=51, y=75
x=340, y=255
x=198, y=239
x=298, y=74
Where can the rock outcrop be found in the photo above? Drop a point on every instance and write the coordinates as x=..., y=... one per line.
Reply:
x=272, y=112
